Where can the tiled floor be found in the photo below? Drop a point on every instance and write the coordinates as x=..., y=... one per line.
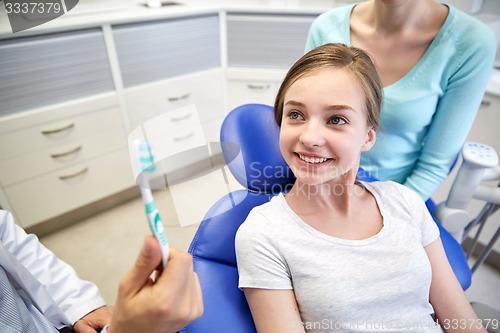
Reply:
x=103, y=247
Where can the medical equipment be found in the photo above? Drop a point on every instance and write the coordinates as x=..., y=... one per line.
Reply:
x=145, y=165
x=480, y=163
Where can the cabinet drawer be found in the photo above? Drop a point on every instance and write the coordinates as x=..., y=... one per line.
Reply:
x=59, y=192
x=153, y=51
x=242, y=92
x=55, y=133
x=268, y=41
x=46, y=69
x=40, y=162
x=204, y=90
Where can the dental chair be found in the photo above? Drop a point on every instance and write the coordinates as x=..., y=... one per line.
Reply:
x=249, y=141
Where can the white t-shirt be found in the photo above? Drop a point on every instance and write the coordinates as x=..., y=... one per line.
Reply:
x=376, y=284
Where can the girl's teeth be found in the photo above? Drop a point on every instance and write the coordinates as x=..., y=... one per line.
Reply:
x=312, y=159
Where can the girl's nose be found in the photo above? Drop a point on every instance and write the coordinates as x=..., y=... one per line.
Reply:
x=312, y=135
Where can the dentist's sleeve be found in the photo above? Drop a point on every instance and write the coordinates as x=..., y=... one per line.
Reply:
x=74, y=296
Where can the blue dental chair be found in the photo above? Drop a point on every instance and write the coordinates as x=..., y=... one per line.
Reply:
x=249, y=140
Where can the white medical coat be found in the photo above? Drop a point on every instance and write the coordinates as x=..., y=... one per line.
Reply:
x=52, y=285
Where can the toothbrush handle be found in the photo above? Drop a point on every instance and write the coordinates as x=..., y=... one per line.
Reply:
x=158, y=229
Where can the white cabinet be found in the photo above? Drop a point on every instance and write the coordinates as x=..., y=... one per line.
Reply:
x=260, y=49
x=266, y=41
x=60, y=124
x=167, y=102
x=63, y=107
x=167, y=65
x=252, y=86
x=57, y=159
x=204, y=90
x=157, y=50
x=38, y=71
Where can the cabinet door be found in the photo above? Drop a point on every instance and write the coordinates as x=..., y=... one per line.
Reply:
x=42, y=198
x=266, y=41
x=153, y=51
x=179, y=127
x=42, y=70
x=252, y=86
x=204, y=90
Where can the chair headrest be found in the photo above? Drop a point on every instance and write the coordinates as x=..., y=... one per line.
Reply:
x=250, y=145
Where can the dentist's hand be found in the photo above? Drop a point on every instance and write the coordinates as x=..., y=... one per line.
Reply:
x=94, y=321
x=164, y=305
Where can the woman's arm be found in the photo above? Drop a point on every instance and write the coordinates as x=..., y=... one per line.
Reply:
x=274, y=311
x=464, y=80
x=453, y=311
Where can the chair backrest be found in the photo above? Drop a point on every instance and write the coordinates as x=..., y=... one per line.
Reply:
x=250, y=145
x=249, y=141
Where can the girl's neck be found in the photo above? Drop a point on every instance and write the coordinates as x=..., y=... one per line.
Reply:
x=339, y=196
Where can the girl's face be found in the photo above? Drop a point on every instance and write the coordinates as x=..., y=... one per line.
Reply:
x=324, y=126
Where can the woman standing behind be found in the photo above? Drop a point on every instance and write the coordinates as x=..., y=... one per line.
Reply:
x=434, y=62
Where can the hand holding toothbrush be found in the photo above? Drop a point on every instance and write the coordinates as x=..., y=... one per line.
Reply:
x=166, y=304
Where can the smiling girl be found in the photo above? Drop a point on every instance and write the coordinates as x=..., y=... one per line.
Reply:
x=335, y=254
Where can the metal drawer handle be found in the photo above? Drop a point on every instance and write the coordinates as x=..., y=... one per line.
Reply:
x=185, y=137
x=178, y=98
x=181, y=118
x=57, y=130
x=76, y=174
x=485, y=102
x=258, y=86
x=66, y=153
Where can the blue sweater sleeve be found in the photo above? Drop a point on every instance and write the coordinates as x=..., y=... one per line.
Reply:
x=457, y=107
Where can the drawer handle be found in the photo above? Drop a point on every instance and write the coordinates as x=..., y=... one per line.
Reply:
x=178, y=98
x=485, y=103
x=185, y=137
x=66, y=153
x=180, y=118
x=76, y=174
x=58, y=130
x=258, y=86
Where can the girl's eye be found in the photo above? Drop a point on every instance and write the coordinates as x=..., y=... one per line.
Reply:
x=293, y=115
x=337, y=121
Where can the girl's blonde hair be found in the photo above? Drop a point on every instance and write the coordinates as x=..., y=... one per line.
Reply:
x=336, y=55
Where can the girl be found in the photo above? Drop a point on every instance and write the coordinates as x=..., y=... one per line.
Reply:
x=334, y=254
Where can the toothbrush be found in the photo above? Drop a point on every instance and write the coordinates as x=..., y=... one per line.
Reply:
x=145, y=163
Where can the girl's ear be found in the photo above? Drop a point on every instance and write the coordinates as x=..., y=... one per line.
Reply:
x=371, y=137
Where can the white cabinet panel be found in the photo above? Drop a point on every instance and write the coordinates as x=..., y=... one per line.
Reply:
x=53, y=133
x=58, y=192
x=52, y=68
x=266, y=41
x=252, y=86
x=31, y=165
x=204, y=90
x=153, y=51
x=59, y=158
